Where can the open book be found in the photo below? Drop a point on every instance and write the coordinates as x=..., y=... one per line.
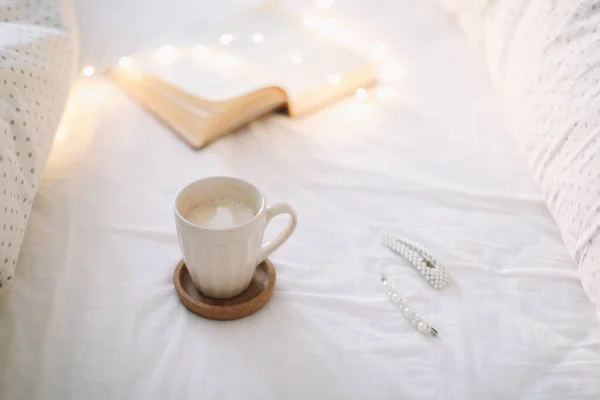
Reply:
x=251, y=65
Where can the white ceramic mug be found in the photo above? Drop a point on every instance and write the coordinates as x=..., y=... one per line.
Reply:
x=222, y=261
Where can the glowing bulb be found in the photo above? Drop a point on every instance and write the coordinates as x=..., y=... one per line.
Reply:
x=323, y=4
x=385, y=93
x=310, y=21
x=89, y=70
x=334, y=79
x=379, y=49
x=258, y=38
x=165, y=55
x=296, y=59
x=361, y=94
x=226, y=38
x=201, y=52
x=327, y=25
x=125, y=62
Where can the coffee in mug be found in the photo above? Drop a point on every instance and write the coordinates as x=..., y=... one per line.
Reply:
x=220, y=212
x=220, y=226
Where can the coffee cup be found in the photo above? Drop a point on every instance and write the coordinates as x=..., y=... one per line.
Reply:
x=220, y=226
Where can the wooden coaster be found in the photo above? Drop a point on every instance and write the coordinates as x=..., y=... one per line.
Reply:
x=248, y=302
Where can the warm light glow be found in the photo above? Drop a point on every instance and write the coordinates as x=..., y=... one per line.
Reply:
x=89, y=99
x=201, y=52
x=334, y=78
x=125, y=62
x=361, y=94
x=226, y=38
x=89, y=70
x=258, y=38
x=378, y=50
x=310, y=21
x=323, y=4
x=327, y=25
x=296, y=59
x=133, y=74
x=165, y=55
x=385, y=93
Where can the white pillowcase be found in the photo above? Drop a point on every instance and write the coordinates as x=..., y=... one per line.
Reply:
x=544, y=58
x=36, y=67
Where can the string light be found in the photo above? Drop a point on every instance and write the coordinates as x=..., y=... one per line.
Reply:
x=323, y=4
x=310, y=21
x=165, y=55
x=296, y=59
x=361, y=94
x=226, y=38
x=334, y=79
x=89, y=71
x=385, y=93
x=125, y=62
x=201, y=52
x=258, y=38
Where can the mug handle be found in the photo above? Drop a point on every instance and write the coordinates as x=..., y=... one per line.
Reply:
x=273, y=211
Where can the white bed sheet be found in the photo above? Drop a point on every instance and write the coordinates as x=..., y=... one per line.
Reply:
x=92, y=312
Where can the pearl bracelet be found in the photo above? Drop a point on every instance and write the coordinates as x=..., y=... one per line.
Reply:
x=406, y=308
x=420, y=258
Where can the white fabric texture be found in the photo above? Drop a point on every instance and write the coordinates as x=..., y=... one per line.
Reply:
x=543, y=57
x=103, y=321
x=36, y=65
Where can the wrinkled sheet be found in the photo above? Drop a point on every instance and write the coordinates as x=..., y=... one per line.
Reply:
x=92, y=312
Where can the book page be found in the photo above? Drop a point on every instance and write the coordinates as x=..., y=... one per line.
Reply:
x=259, y=48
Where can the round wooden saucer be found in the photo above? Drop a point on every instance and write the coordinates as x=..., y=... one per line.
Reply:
x=248, y=302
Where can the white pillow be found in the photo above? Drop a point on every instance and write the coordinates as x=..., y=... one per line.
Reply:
x=544, y=58
x=36, y=67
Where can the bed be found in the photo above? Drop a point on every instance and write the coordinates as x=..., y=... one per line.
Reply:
x=92, y=312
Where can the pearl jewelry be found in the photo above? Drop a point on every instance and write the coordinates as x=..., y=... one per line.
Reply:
x=407, y=309
x=421, y=258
